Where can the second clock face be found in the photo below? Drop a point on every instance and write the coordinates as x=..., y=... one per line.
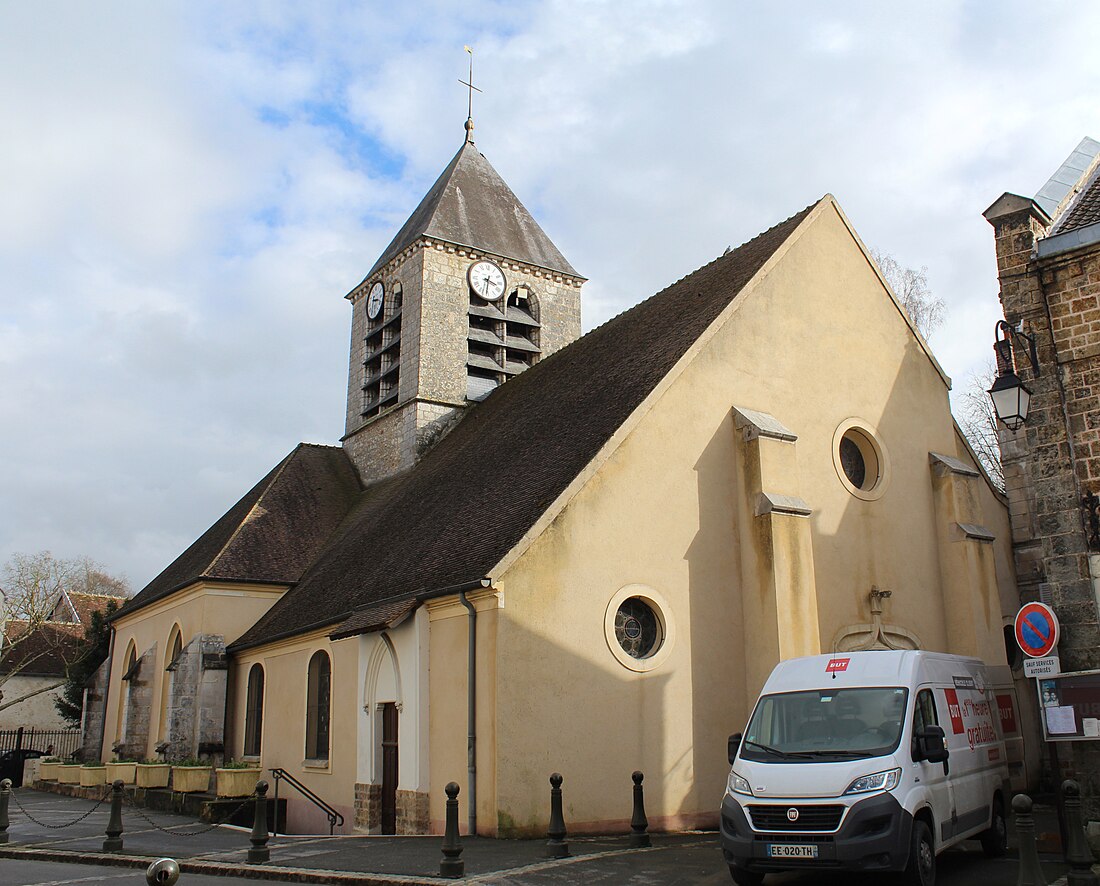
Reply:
x=374, y=300
x=487, y=280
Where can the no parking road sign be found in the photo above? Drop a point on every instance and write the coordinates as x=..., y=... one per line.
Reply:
x=1036, y=629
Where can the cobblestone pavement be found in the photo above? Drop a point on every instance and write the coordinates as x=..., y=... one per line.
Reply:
x=38, y=854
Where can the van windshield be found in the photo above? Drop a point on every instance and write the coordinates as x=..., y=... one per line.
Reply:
x=825, y=725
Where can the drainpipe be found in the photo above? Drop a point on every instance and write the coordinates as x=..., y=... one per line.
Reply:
x=471, y=708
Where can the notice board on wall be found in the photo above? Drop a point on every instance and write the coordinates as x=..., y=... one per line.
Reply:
x=1070, y=706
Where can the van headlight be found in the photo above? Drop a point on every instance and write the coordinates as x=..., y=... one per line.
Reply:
x=879, y=781
x=735, y=784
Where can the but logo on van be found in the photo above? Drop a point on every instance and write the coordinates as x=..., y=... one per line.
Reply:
x=837, y=664
x=954, y=711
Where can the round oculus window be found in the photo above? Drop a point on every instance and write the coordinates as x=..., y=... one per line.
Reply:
x=859, y=460
x=637, y=628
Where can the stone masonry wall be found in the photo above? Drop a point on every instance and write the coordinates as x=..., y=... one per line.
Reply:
x=412, y=813
x=368, y=807
x=138, y=700
x=95, y=706
x=1054, y=459
x=434, y=328
x=196, y=714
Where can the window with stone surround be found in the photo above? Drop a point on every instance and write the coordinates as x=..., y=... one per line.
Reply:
x=254, y=711
x=318, y=696
x=502, y=341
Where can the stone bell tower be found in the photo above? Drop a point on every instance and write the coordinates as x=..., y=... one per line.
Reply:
x=469, y=293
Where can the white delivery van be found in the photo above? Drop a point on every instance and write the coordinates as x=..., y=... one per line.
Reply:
x=866, y=761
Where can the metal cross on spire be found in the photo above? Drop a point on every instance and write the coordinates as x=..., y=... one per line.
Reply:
x=470, y=107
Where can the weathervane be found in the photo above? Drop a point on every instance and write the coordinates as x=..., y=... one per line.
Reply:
x=470, y=107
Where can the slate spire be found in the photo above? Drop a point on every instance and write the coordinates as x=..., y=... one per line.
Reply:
x=470, y=205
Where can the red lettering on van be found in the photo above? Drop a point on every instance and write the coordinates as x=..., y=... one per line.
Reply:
x=837, y=664
x=954, y=711
x=1008, y=714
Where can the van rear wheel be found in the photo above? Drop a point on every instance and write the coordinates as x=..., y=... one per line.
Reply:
x=921, y=870
x=995, y=838
x=745, y=878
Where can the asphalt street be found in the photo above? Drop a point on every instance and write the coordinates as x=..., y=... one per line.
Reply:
x=64, y=831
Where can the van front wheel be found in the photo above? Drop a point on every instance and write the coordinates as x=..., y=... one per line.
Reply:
x=745, y=878
x=921, y=870
x=995, y=839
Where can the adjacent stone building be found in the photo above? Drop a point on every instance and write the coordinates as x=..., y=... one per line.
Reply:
x=1048, y=266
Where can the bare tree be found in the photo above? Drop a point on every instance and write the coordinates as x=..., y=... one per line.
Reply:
x=925, y=309
x=979, y=422
x=31, y=586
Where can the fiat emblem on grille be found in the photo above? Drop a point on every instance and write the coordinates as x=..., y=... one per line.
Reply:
x=792, y=814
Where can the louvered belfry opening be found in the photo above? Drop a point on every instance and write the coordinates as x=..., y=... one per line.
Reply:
x=382, y=365
x=503, y=340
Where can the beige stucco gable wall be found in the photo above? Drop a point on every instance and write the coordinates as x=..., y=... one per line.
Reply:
x=203, y=608
x=817, y=341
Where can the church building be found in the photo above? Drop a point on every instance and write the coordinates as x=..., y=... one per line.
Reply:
x=537, y=551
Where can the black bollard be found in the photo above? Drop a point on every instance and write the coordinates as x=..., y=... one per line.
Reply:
x=556, y=847
x=5, y=797
x=452, y=865
x=639, y=839
x=1078, y=854
x=1031, y=872
x=113, y=843
x=258, y=853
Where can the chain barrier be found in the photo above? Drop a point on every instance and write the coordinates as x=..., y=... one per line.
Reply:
x=203, y=830
x=59, y=827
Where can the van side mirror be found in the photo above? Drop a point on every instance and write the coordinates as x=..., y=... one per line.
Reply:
x=931, y=744
x=733, y=747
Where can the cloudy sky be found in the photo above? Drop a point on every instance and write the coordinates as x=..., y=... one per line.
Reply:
x=188, y=190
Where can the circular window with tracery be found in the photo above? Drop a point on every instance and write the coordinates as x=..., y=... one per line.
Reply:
x=860, y=459
x=637, y=628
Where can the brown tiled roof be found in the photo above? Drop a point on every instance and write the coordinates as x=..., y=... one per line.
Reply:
x=388, y=614
x=470, y=205
x=86, y=604
x=274, y=532
x=1083, y=210
x=45, y=652
x=451, y=518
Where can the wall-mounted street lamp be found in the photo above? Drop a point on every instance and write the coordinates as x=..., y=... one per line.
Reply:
x=1011, y=397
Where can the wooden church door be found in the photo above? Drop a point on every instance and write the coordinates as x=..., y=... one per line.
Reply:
x=389, y=768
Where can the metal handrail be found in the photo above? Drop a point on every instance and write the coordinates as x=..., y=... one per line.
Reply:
x=334, y=817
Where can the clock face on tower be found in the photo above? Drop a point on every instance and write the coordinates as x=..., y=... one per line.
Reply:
x=374, y=300
x=486, y=280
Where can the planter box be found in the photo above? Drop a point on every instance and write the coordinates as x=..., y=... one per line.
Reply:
x=191, y=779
x=90, y=776
x=68, y=773
x=48, y=771
x=236, y=782
x=123, y=771
x=151, y=775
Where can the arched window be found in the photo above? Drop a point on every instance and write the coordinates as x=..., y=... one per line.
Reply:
x=318, y=692
x=254, y=711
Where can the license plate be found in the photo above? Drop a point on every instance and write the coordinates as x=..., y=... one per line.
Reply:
x=789, y=850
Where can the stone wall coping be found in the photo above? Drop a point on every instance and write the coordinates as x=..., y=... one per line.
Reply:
x=950, y=464
x=775, y=503
x=761, y=424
